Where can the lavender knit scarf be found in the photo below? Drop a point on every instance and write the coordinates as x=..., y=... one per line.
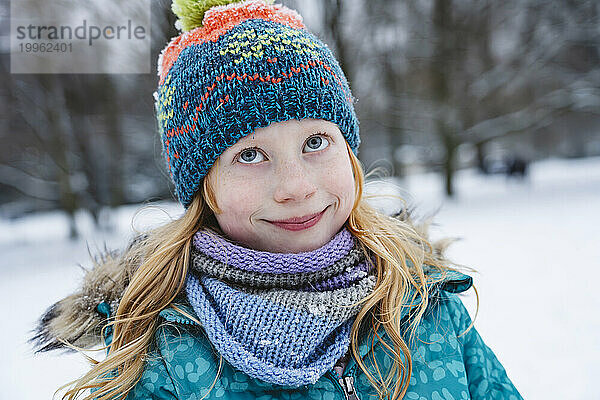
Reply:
x=281, y=318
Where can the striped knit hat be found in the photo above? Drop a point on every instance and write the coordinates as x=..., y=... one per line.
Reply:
x=237, y=67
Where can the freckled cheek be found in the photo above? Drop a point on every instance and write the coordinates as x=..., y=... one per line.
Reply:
x=340, y=182
x=237, y=202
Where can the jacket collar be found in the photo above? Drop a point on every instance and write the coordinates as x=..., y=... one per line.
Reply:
x=452, y=282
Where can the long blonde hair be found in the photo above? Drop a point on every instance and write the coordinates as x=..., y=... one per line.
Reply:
x=399, y=248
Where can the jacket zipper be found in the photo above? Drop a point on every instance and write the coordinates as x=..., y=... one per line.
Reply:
x=346, y=382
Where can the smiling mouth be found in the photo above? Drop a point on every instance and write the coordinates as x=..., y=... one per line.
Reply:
x=299, y=223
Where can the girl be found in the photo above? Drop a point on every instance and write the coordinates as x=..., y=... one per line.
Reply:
x=279, y=281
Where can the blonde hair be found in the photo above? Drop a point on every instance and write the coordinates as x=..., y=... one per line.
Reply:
x=399, y=248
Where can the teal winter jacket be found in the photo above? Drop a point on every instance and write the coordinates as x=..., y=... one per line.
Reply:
x=446, y=362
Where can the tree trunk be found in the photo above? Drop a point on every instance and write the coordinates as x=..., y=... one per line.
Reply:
x=440, y=80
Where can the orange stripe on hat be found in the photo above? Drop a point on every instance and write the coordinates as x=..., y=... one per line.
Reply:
x=220, y=19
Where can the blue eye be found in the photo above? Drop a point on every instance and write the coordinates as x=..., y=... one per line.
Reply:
x=250, y=156
x=254, y=155
x=316, y=143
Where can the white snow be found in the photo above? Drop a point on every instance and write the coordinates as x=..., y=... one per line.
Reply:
x=535, y=245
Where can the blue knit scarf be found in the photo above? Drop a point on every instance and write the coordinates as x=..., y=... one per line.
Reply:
x=285, y=328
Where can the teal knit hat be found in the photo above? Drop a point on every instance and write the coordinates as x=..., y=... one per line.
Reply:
x=247, y=65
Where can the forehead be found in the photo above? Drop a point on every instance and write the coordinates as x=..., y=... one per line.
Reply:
x=276, y=130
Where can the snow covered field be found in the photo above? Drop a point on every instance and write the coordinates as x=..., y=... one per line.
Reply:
x=535, y=245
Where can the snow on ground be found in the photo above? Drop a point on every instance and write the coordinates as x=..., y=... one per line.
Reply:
x=534, y=244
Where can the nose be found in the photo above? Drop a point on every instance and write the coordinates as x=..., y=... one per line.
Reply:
x=293, y=183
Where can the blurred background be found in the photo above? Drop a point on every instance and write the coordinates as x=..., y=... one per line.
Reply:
x=486, y=112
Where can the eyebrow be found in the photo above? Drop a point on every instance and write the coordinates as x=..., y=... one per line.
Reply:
x=249, y=142
x=259, y=142
x=239, y=145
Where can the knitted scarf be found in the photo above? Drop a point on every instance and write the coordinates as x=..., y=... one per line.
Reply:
x=281, y=318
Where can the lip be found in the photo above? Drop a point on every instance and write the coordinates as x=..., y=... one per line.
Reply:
x=299, y=223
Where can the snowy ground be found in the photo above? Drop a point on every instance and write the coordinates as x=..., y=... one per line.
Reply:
x=534, y=244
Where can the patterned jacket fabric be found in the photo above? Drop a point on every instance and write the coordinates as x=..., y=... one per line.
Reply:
x=446, y=362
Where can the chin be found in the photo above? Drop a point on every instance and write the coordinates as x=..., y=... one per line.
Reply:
x=285, y=248
x=312, y=242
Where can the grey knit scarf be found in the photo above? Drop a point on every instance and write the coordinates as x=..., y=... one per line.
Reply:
x=282, y=328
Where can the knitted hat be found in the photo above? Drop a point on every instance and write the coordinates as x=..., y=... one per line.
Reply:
x=246, y=65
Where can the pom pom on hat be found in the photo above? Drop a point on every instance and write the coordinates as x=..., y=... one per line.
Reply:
x=191, y=12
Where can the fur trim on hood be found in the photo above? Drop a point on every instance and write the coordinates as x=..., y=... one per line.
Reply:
x=77, y=319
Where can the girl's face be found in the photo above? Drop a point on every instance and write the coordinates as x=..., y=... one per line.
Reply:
x=286, y=188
